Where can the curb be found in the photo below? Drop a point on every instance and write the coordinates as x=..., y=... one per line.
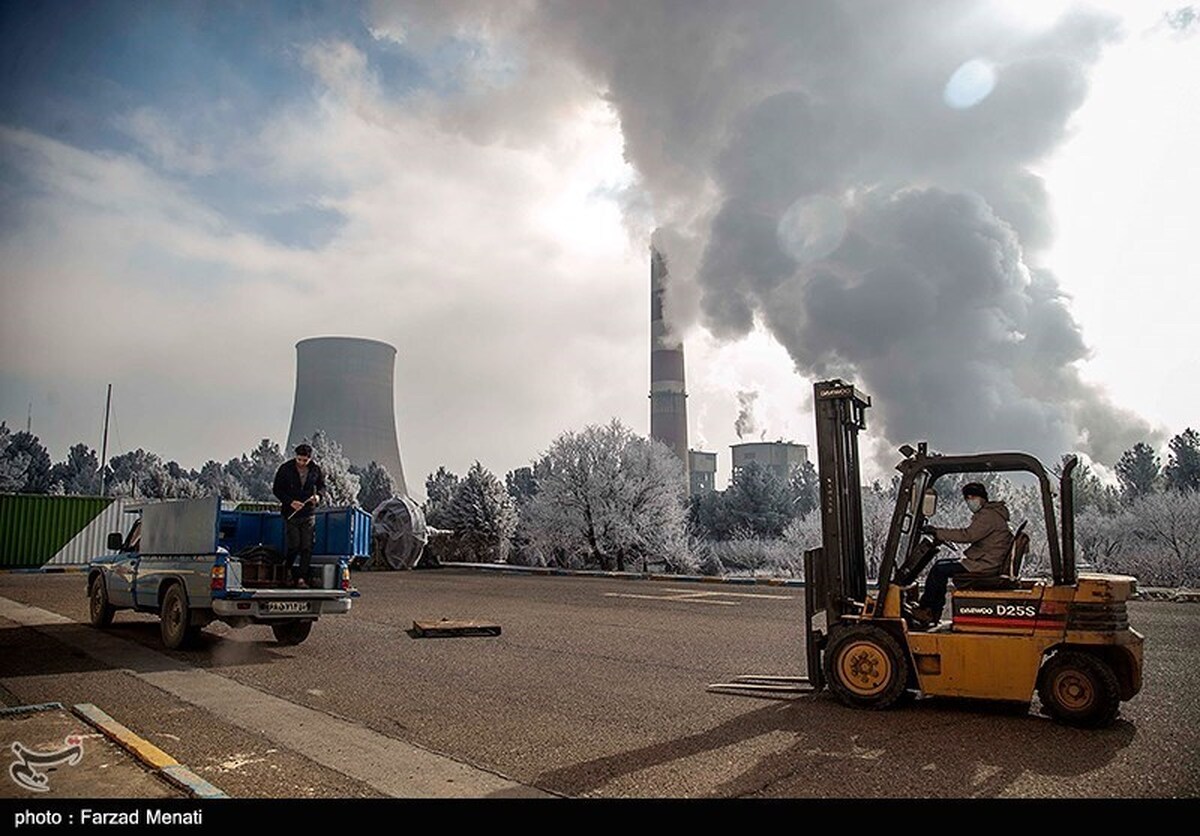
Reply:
x=45, y=570
x=150, y=755
x=630, y=576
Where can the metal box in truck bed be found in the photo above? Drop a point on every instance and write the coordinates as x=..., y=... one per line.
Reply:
x=192, y=562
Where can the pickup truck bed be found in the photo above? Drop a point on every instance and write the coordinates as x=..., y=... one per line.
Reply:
x=192, y=563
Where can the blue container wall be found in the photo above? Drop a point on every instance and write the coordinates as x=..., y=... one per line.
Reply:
x=339, y=531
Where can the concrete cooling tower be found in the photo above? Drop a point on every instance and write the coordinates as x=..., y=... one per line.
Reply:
x=345, y=386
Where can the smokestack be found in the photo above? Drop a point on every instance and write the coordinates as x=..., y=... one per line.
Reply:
x=344, y=386
x=668, y=396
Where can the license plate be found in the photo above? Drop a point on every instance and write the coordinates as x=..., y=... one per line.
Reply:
x=286, y=606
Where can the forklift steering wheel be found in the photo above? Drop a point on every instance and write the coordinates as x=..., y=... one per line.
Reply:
x=936, y=541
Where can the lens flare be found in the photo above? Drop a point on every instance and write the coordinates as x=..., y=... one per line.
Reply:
x=812, y=228
x=971, y=84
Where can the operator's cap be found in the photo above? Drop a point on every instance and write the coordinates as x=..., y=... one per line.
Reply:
x=974, y=489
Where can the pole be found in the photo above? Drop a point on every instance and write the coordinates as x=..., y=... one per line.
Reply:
x=104, y=445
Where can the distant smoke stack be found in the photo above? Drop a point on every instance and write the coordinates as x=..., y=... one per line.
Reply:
x=345, y=386
x=668, y=395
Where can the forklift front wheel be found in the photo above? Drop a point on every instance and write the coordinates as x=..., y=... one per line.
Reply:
x=866, y=667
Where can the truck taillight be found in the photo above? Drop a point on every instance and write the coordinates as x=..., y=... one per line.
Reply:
x=346, y=577
x=218, y=577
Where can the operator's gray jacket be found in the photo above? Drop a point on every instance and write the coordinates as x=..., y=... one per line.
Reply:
x=989, y=537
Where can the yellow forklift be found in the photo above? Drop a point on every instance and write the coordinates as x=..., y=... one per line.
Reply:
x=1067, y=637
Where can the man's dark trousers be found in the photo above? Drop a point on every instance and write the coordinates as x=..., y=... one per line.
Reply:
x=300, y=531
x=934, y=596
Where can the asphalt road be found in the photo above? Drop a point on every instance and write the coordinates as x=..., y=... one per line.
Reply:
x=597, y=687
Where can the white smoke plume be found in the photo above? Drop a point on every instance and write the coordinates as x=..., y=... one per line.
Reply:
x=859, y=178
x=746, y=423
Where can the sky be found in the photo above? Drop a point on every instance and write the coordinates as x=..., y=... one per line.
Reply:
x=980, y=212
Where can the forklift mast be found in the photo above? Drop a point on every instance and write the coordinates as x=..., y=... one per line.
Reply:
x=836, y=573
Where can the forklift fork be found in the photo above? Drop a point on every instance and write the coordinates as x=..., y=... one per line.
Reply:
x=767, y=686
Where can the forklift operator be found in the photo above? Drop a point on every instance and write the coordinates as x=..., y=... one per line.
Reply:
x=990, y=540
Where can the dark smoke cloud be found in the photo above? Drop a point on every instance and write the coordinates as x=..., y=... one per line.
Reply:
x=804, y=157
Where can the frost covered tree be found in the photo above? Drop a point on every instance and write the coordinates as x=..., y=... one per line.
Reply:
x=805, y=489
x=134, y=474
x=1138, y=471
x=214, y=481
x=439, y=490
x=1182, y=472
x=258, y=474
x=341, y=486
x=609, y=498
x=25, y=464
x=521, y=484
x=79, y=475
x=13, y=463
x=483, y=517
x=1164, y=546
x=141, y=474
x=757, y=503
x=377, y=486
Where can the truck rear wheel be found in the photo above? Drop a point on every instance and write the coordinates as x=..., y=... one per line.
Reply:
x=291, y=632
x=1079, y=689
x=99, y=610
x=177, y=629
x=866, y=667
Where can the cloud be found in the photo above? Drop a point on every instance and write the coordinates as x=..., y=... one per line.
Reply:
x=484, y=265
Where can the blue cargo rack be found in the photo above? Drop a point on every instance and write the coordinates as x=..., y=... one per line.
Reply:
x=340, y=532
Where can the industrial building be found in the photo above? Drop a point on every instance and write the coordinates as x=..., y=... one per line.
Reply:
x=777, y=456
x=346, y=387
x=702, y=472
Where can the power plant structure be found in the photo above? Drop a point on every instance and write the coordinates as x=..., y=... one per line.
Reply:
x=779, y=457
x=668, y=395
x=702, y=472
x=345, y=386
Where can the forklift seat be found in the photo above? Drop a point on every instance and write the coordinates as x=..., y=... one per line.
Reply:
x=1009, y=576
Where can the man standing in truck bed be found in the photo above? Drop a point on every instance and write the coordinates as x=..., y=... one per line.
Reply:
x=299, y=484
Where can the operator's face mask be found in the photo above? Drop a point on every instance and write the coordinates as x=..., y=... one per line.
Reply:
x=974, y=503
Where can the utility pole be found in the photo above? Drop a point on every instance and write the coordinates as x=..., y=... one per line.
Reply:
x=104, y=445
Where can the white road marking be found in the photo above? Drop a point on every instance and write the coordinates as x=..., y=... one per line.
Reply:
x=391, y=766
x=735, y=594
x=690, y=599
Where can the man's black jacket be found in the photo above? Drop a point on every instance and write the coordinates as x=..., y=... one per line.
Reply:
x=287, y=487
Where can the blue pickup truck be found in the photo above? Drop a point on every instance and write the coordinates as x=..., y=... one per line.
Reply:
x=192, y=563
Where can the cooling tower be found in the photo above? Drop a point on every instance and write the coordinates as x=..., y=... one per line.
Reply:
x=668, y=398
x=344, y=386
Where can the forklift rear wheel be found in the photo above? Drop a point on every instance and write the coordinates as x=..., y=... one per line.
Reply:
x=1079, y=689
x=100, y=611
x=291, y=632
x=866, y=667
x=177, y=630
